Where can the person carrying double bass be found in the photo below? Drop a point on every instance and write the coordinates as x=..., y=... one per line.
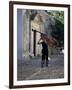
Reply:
x=44, y=43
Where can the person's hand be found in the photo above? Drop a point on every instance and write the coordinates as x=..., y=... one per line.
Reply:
x=38, y=43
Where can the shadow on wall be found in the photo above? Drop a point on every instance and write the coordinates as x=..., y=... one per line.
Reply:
x=19, y=34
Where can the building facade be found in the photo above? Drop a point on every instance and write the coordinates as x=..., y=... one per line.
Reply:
x=26, y=39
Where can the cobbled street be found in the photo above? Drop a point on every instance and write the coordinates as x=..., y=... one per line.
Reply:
x=31, y=69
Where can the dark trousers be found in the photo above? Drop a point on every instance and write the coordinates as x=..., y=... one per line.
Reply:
x=44, y=59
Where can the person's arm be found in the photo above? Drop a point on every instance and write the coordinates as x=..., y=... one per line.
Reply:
x=39, y=42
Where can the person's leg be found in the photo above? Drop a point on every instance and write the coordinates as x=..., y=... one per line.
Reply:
x=46, y=59
x=43, y=58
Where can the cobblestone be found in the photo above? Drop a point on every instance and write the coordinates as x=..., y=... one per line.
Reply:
x=31, y=69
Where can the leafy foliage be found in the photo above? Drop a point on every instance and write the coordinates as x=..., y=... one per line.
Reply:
x=58, y=28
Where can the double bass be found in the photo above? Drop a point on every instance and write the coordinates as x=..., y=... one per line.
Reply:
x=52, y=42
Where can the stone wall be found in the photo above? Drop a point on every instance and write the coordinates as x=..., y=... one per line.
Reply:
x=42, y=23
